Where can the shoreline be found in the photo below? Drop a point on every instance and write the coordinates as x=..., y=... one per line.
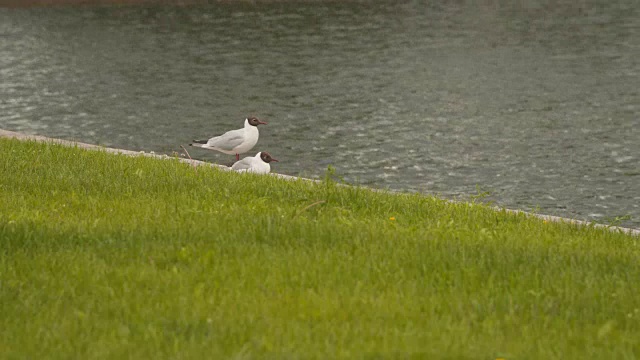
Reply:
x=25, y=137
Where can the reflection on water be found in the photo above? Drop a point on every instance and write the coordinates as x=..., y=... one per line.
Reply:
x=538, y=104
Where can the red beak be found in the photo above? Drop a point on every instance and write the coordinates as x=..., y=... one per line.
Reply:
x=262, y=122
x=276, y=160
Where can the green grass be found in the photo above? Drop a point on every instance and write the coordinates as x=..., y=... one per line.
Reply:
x=108, y=256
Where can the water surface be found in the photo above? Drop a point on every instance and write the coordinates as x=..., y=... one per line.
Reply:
x=537, y=104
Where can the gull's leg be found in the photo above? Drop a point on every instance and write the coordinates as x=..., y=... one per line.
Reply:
x=237, y=157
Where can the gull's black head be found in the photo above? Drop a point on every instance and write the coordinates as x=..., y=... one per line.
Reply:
x=255, y=121
x=266, y=157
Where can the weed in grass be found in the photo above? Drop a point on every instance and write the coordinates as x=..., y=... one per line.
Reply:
x=616, y=220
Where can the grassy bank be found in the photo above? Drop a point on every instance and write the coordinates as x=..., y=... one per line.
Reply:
x=108, y=256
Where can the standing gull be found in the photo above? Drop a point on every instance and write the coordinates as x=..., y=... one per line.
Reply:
x=235, y=141
x=258, y=164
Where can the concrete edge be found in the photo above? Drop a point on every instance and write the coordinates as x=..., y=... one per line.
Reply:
x=549, y=218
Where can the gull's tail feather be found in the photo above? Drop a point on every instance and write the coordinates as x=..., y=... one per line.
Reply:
x=199, y=143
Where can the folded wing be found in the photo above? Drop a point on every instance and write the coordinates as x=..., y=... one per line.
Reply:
x=227, y=141
x=242, y=165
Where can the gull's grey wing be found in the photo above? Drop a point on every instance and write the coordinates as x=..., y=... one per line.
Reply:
x=227, y=141
x=243, y=164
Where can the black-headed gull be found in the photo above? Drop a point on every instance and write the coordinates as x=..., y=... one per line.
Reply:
x=258, y=164
x=235, y=141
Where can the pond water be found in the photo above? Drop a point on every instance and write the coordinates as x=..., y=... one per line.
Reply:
x=537, y=104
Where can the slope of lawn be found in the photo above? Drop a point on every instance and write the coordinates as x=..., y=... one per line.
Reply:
x=109, y=256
